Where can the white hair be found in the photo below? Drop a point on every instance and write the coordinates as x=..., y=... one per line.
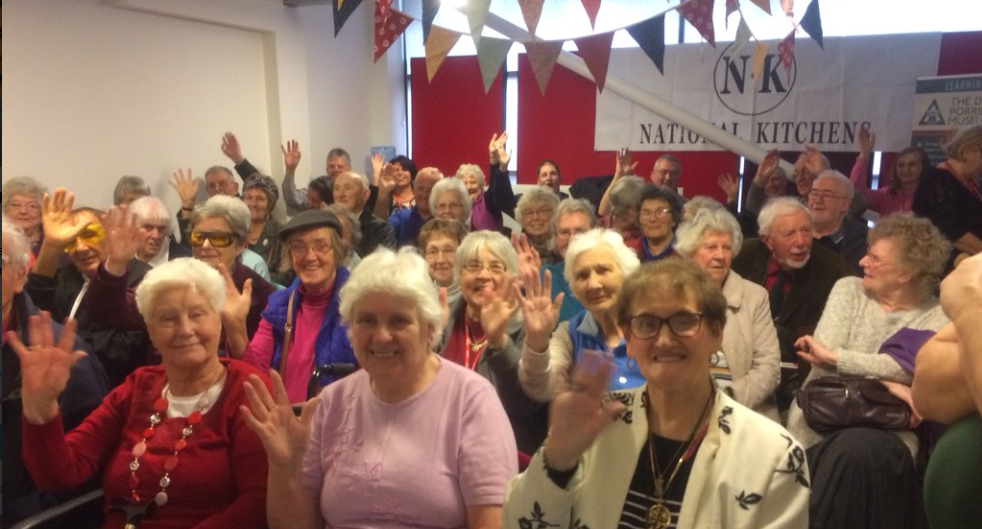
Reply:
x=187, y=273
x=453, y=185
x=358, y=177
x=625, y=257
x=22, y=185
x=472, y=170
x=536, y=195
x=842, y=179
x=496, y=243
x=152, y=209
x=403, y=274
x=707, y=221
x=779, y=207
x=568, y=206
x=19, y=247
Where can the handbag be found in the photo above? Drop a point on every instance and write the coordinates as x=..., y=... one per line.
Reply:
x=834, y=403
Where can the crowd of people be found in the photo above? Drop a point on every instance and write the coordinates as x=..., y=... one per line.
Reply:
x=393, y=355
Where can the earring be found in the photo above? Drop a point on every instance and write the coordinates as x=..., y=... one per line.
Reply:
x=631, y=363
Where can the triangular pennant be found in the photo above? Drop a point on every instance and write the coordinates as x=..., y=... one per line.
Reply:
x=439, y=44
x=531, y=11
x=731, y=6
x=389, y=25
x=788, y=7
x=595, y=51
x=430, y=7
x=760, y=55
x=477, y=14
x=785, y=49
x=763, y=4
x=812, y=23
x=592, y=8
x=491, y=54
x=343, y=10
x=742, y=38
x=699, y=13
x=542, y=57
x=650, y=36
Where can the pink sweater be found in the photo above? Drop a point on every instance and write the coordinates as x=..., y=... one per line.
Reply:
x=883, y=201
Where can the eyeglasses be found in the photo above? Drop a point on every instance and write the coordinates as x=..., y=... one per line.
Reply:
x=453, y=207
x=874, y=261
x=823, y=194
x=91, y=235
x=660, y=212
x=495, y=267
x=218, y=239
x=436, y=252
x=219, y=185
x=300, y=248
x=683, y=325
x=541, y=212
x=30, y=207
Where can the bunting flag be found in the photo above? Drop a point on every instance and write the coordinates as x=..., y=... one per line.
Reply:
x=343, y=10
x=650, y=36
x=439, y=44
x=389, y=25
x=742, y=37
x=763, y=4
x=477, y=15
x=788, y=7
x=430, y=7
x=491, y=54
x=731, y=6
x=542, y=56
x=531, y=11
x=699, y=13
x=785, y=49
x=760, y=55
x=812, y=23
x=592, y=8
x=595, y=51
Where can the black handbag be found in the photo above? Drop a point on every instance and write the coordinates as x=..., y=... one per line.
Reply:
x=834, y=403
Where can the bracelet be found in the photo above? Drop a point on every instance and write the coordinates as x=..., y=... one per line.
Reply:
x=186, y=209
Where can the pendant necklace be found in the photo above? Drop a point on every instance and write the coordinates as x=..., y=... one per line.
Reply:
x=474, y=346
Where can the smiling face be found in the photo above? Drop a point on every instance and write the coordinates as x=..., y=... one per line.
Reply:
x=482, y=276
x=185, y=328
x=828, y=202
x=313, y=258
x=337, y=165
x=790, y=240
x=666, y=173
x=597, y=279
x=208, y=252
x=25, y=211
x=258, y=204
x=474, y=185
x=424, y=183
x=656, y=220
x=537, y=219
x=714, y=254
x=549, y=177
x=440, y=252
x=449, y=206
x=389, y=338
x=349, y=193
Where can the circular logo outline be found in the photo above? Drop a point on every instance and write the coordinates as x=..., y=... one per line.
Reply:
x=793, y=77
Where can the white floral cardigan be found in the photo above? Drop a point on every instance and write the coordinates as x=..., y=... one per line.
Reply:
x=748, y=473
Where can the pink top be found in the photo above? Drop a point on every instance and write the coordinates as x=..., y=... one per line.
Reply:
x=416, y=463
x=300, y=362
x=883, y=200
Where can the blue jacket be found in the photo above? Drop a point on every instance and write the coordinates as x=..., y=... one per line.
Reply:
x=332, y=345
x=406, y=223
x=588, y=336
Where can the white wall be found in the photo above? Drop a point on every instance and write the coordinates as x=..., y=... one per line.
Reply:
x=97, y=89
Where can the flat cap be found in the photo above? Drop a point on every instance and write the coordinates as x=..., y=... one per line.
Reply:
x=309, y=219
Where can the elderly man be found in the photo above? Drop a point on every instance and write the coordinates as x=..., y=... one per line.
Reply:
x=351, y=192
x=406, y=223
x=73, y=288
x=550, y=177
x=797, y=274
x=809, y=165
x=157, y=246
x=84, y=391
x=667, y=172
x=573, y=216
x=828, y=201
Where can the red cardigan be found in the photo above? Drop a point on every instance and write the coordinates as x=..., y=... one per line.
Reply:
x=219, y=483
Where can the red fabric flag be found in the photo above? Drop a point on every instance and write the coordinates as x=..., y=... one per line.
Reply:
x=531, y=11
x=785, y=49
x=389, y=25
x=595, y=51
x=699, y=13
x=542, y=57
x=592, y=8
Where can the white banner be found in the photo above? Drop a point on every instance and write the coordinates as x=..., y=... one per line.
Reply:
x=941, y=107
x=822, y=101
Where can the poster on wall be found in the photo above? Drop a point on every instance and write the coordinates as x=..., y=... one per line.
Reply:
x=821, y=98
x=942, y=105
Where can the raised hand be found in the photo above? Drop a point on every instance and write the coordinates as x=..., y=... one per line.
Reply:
x=44, y=366
x=540, y=312
x=623, y=165
x=283, y=436
x=60, y=226
x=498, y=306
x=529, y=262
x=378, y=162
x=186, y=187
x=387, y=177
x=231, y=148
x=498, y=151
x=866, y=141
x=123, y=239
x=291, y=156
x=237, y=304
x=577, y=416
x=767, y=167
x=728, y=183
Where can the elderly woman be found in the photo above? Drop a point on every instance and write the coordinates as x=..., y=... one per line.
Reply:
x=449, y=200
x=411, y=440
x=674, y=452
x=659, y=214
x=129, y=188
x=750, y=348
x=438, y=242
x=949, y=193
x=573, y=216
x=22, y=205
x=902, y=268
x=625, y=202
x=908, y=167
x=596, y=264
x=170, y=443
x=157, y=227
x=534, y=213
x=485, y=331
x=301, y=328
x=260, y=194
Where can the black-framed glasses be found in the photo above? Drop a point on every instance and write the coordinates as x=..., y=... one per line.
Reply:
x=683, y=325
x=218, y=239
